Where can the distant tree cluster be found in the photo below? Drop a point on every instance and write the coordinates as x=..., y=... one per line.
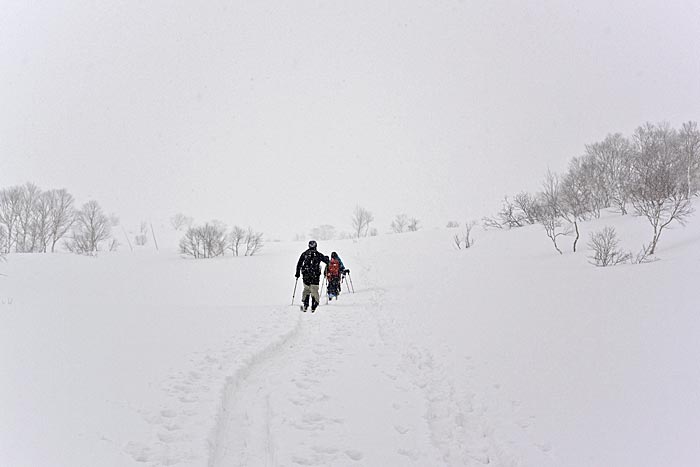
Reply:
x=212, y=239
x=35, y=221
x=323, y=232
x=403, y=223
x=656, y=172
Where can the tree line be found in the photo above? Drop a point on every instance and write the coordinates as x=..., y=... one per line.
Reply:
x=214, y=239
x=656, y=172
x=35, y=221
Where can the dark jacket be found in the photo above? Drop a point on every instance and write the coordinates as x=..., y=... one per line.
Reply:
x=309, y=265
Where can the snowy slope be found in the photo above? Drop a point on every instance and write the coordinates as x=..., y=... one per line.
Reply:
x=506, y=354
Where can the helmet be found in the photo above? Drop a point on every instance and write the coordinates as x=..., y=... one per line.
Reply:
x=313, y=244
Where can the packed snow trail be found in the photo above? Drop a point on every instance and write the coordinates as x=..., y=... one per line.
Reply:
x=348, y=388
x=305, y=403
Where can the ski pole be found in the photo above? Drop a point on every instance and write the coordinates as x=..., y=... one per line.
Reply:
x=321, y=293
x=353, y=286
x=295, y=290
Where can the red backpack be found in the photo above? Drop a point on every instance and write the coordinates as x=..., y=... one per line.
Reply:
x=334, y=268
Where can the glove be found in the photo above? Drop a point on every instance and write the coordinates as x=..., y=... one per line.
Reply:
x=296, y=275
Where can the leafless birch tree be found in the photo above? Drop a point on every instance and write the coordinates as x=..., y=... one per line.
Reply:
x=659, y=189
x=91, y=227
x=361, y=220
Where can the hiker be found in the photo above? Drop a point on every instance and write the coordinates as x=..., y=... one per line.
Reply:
x=309, y=265
x=334, y=273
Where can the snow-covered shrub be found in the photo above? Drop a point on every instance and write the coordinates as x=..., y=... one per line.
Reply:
x=604, y=245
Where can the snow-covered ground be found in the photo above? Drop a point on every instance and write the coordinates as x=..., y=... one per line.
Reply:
x=505, y=354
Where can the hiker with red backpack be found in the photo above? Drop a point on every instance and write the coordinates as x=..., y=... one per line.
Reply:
x=334, y=273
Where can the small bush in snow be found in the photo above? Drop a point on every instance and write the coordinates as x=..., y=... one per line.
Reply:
x=604, y=245
x=452, y=225
x=398, y=225
x=142, y=238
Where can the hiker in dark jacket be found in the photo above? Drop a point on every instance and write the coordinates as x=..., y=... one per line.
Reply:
x=334, y=273
x=309, y=265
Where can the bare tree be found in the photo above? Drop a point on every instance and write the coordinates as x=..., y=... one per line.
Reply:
x=689, y=147
x=26, y=232
x=509, y=216
x=180, y=221
x=612, y=158
x=236, y=236
x=606, y=251
x=413, y=224
x=41, y=225
x=91, y=227
x=62, y=215
x=577, y=199
x=452, y=224
x=528, y=206
x=659, y=188
x=552, y=212
x=464, y=239
x=206, y=241
x=10, y=213
x=398, y=225
x=253, y=242
x=361, y=220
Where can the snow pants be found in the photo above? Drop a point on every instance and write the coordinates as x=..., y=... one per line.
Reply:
x=312, y=291
x=334, y=286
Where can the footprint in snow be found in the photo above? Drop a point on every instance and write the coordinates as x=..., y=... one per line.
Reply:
x=325, y=450
x=413, y=455
x=354, y=455
x=168, y=413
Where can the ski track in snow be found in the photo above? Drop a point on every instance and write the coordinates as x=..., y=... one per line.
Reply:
x=292, y=393
x=304, y=388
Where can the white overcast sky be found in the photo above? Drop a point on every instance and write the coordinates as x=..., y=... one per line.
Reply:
x=285, y=115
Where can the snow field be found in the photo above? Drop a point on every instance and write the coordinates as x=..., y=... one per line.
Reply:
x=506, y=354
